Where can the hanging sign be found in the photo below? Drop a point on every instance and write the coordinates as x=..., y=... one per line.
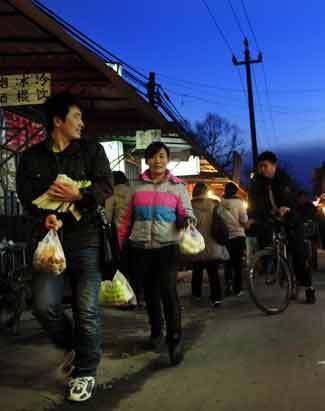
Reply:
x=145, y=138
x=24, y=89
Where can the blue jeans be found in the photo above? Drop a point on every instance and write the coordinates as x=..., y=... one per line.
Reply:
x=84, y=336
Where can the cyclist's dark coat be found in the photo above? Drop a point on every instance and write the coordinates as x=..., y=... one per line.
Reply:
x=260, y=207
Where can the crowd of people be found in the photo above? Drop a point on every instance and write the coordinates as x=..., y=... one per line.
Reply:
x=149, y=216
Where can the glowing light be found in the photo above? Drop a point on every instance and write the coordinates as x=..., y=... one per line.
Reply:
x=245, y=204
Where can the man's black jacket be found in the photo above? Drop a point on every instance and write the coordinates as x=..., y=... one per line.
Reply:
x=260, y=207
x=81, y=160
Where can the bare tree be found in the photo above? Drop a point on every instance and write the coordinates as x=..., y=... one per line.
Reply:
x=219, y=138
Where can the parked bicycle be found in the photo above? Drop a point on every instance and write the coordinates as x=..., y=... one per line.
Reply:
x=15, y=291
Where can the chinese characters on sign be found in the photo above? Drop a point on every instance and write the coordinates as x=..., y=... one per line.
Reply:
x=23, y=89
x=144, y=138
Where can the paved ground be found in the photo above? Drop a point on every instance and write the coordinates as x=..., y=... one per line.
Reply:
x=236, y=359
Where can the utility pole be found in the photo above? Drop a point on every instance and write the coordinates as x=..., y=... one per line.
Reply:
x=247, y=62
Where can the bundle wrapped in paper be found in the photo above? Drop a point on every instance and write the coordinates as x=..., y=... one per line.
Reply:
x=46, y=203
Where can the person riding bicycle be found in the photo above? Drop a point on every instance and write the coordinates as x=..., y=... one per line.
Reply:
x=272, y=195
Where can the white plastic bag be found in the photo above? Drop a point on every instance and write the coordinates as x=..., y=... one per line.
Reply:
x=49, y=255
x=192, y=241
x=117, y=293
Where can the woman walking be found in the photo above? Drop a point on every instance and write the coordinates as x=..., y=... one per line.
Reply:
x=209, y=259
x=234, y=214
x=159, y=208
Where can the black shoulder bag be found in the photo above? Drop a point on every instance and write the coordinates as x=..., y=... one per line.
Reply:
x=110, y=252
x=219, y=229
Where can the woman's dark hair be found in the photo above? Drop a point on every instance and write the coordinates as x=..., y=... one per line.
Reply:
x=199, y=189
x=267, y=156
x=231, y=190
x=154, y=148
x=59, y=105
x=119, y=178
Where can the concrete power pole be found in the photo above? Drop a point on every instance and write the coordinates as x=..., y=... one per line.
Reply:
x=247, y=62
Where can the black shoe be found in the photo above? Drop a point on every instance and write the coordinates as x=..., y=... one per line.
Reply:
x=176, y=352
x=310, y=296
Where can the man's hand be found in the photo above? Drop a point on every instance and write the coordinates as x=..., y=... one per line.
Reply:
x=64, y=192
x=52, y=223
x=282, y=211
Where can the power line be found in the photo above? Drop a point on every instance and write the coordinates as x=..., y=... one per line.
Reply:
x=250, y=25
x=87, y=40
x=263, y=68
x=269, y=101
x=218, y=27
x=240, y=27
x=241, y=82
x=259, y=103
x=192, y=85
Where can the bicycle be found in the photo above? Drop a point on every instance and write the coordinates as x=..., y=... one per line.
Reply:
x=15, y=292
x=271, y=281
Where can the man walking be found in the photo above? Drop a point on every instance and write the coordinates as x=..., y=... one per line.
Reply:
x=65, y=153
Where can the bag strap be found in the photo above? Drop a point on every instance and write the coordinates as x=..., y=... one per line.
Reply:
x=228, y=213
x=86, y=157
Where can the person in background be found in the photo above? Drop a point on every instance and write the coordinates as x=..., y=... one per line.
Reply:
x=272, y=196
x=235, y=217
x=117, y=203
x=159, y=208
x=65, y=152
x=308, y=213
x=209, y=259
x=116, y=206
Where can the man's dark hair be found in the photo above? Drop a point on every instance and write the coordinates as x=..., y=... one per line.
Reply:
x=154, y=148
x=199, y=189
x=267, y=156
x=59, y=105
x=231, y=190
x=119, y=178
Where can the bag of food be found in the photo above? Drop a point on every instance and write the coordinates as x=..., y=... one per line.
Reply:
x=117, y=293
x=192, y=241
x=49, y=255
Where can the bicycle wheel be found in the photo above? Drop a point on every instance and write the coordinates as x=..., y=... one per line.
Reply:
x=270, y=282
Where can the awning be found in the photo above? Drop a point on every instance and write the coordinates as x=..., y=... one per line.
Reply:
x=32, y=41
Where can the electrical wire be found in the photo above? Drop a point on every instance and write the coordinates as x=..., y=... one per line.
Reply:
x=222, y=35
x=250, y=24
x=259, y=103
x=263, y=68
x=192, y=85
x=92, y=45
x=240, y=27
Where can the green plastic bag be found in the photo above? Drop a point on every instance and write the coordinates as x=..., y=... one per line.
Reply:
x=117, y=293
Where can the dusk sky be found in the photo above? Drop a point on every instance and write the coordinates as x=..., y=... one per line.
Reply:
x=179, y=41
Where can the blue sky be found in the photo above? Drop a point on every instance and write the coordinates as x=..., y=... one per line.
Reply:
x=179, y=40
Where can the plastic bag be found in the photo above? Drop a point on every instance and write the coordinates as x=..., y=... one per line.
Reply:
x=192, y=241
x=117, y=293
x=49, y=255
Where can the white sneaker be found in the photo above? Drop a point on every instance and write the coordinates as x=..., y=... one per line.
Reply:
x=81, y=388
